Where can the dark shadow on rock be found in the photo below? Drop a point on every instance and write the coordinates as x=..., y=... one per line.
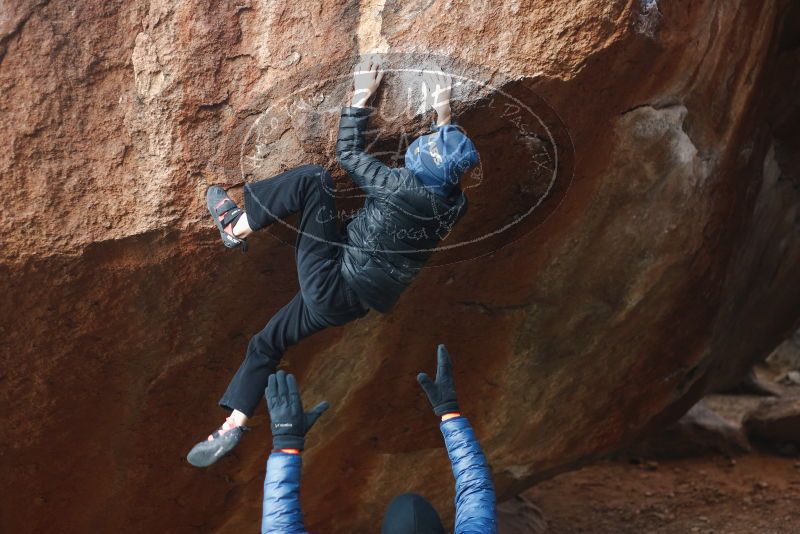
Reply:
x=701, y=431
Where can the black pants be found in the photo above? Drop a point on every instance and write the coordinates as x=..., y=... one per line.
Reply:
x=324, y=299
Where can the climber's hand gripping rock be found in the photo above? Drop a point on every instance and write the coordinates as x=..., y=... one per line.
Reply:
x=367, y=77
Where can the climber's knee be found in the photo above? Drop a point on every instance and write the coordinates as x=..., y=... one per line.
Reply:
x=308, y=171
x=314, y=169
x=312, y=178
x=321, y=175
x=316, y=179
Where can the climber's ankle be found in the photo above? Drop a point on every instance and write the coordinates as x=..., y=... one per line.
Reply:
x=238, y=417
x=241, y=229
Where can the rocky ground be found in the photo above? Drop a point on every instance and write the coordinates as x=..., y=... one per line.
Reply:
x=754, y=494
x=696, y=477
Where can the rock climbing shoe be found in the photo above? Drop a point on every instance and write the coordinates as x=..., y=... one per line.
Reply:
x=225, y=213
x=217, y=444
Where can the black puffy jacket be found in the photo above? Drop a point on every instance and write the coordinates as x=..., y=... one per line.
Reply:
x=394, y=234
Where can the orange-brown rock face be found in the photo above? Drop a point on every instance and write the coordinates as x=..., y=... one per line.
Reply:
x=666, y=266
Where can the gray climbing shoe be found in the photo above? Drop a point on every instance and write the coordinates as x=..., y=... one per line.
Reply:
x=225, y=213
x=217, y=445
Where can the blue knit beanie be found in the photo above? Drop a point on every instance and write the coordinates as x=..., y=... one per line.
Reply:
x=441, y=158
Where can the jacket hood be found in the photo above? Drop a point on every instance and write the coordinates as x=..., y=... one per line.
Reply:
x=411, y=514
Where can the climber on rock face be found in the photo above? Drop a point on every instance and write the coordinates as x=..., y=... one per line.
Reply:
x=406, y=212
x=408, y=513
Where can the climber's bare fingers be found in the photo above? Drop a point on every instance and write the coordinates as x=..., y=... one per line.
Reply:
x=442, y=81
x=430, y=82
x=375, y=61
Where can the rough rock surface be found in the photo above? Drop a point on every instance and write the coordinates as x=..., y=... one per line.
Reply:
x=666, y=268
x=775, y=420
x=519, y=515
x=700, y=431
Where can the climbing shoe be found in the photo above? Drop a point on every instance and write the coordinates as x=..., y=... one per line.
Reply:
x=217, y=444
x=225, y=213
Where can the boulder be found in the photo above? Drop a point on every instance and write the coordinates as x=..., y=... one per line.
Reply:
x=520, y=515
x=661, y=264
x=775, y=421
x=700, y=431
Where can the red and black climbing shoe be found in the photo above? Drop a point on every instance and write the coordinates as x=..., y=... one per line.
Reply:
x=225, y=213
x=217, y=444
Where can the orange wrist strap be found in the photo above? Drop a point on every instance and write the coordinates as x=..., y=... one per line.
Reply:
x=448, y=416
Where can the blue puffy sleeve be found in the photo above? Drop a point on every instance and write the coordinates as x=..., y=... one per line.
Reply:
x=475, y=497
x=281, y=513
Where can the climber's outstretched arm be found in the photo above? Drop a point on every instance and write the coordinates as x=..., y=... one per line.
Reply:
x=368, y=172
x=289, y=423
x=281, y=512
x=475, y=497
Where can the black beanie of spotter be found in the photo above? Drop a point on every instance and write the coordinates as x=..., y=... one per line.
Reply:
x=410, y=513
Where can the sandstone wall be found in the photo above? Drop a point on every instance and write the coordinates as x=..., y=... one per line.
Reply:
x=663, y=270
